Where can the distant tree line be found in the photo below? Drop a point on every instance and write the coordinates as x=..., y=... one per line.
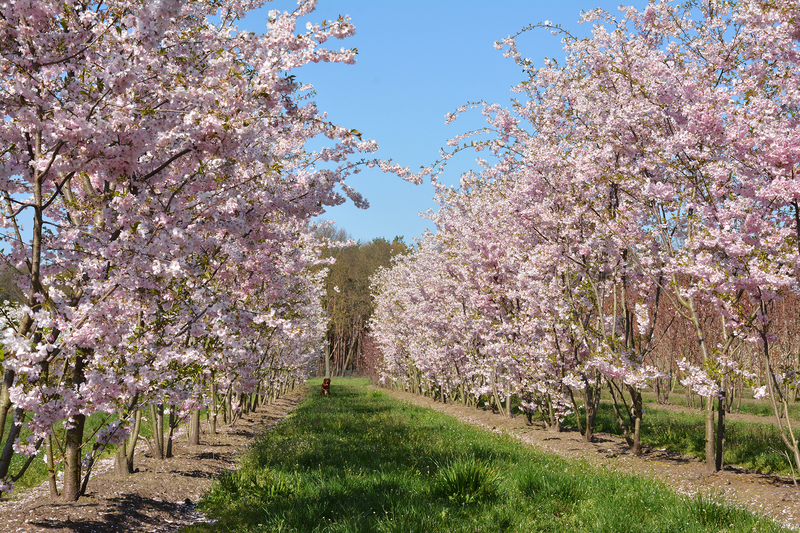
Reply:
x=347, y=301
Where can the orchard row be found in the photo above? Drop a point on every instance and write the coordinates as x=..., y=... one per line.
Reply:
x=157, y=194
x=636, y=221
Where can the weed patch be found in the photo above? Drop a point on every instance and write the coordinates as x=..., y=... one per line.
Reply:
x=466, y=480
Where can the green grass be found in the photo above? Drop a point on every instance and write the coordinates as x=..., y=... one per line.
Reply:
x=748, y=445
x=748, y=405
x=360, y=461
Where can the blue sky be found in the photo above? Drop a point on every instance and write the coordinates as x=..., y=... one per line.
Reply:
x=418, y=60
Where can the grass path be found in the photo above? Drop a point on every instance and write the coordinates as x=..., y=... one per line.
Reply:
x=361, y=461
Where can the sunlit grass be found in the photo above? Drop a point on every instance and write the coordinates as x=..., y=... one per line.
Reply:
x=748, y=405
x=362, y=461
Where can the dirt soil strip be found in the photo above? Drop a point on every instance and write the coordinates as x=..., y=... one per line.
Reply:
x=160, y=497
x=770, y=495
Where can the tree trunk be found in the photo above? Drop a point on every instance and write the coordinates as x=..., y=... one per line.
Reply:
x=8, y=449
x=637, y=412
x=213, y=413
x=626, y=429
x=157, y=421
x=711, y=463
x=739, y=397
x=720, y=431
x=592, y=393
x=194, y=428
x=5, y=400
x=173, y=422
x=348, y=358
x=74, y=441
x=577, y=411
x=120, y=461
x=552, y=423
x=130, y=446
x=327, y=364
x=123, y=463
x=51, y=470
x=497, y=401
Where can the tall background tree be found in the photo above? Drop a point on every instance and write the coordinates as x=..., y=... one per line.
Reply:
x=348, y=301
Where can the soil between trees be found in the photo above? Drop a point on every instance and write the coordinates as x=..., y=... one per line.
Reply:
x=162, y=496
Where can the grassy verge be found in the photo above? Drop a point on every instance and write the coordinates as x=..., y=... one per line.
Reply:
x=362, y=461
x=748, y=445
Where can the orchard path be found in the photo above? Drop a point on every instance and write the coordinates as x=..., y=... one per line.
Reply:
x=159, y=498
x=766, y=494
